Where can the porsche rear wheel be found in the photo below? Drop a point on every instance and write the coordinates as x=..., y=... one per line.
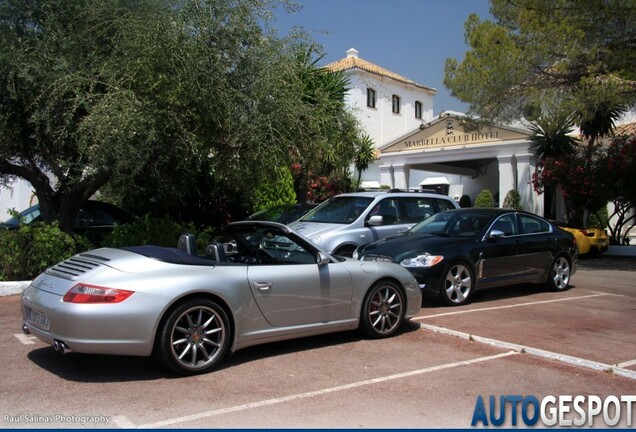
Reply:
x=383, y=310
x=195, y=337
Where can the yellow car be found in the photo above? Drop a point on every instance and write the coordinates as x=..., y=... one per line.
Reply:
x=589, y=240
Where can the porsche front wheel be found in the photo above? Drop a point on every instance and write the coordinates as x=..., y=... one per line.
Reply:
x=195, y=337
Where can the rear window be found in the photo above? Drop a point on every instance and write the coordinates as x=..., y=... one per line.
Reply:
x=532, y=225
x=415, y=210
x=445, y=205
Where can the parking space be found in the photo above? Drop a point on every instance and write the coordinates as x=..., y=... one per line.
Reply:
x=427, y=376
x=554, y=322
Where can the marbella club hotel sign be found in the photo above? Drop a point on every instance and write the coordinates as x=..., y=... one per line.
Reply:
x=451, y=131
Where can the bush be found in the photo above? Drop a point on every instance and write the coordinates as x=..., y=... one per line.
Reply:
x=148, y=231
x=598, y=219
x=31, y=249
x=512, y=200
x=158, y=232
x=485, y=199
x=274, y=192
x=464, y=201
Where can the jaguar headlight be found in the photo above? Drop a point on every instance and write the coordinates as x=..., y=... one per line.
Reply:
x=423, y=261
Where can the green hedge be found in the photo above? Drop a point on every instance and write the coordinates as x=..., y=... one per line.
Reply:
x=158, y=232
x=31, y=249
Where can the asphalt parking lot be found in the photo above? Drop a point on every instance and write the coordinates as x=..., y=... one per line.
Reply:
x=514, y=341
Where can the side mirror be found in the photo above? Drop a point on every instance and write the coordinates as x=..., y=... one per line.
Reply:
x=375, y=220
x=322, y=259
x=496, y=234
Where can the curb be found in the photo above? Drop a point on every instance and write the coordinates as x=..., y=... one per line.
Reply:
x=12, y=288
x=620, y=251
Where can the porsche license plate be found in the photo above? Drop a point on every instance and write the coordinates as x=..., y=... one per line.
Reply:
x=39, y=320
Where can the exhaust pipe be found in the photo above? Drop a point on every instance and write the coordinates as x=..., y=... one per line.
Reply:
x=61, y=347
x=25, y=329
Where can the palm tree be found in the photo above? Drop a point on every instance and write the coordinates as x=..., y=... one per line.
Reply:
x=365, y=155
x=551, y=137
x=601, y=122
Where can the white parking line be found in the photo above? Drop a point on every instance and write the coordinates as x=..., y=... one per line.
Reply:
x=627, y=363
x=508, y=306
x=26, y=340
x=124, y=422
x=571, y=360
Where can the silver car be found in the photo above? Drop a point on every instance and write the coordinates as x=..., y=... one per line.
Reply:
x=347, y=221
x=265, y=284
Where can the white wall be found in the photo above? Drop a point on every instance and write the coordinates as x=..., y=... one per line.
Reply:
x=18, y=195
x=380, y=122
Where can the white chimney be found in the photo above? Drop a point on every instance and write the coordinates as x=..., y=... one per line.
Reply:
x=352, y=52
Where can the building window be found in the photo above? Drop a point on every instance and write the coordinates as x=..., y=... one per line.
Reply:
x=370, y=97
x=396, y=104
x=418, y=110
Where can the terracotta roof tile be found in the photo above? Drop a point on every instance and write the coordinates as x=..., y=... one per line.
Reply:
x=350, y=63
x=625, y=129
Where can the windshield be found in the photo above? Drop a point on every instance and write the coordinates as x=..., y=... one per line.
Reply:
x=339, y=210
x=453, y=224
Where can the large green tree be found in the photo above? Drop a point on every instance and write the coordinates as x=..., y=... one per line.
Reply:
x=544, y=56
x=171, y=107
x=69, y=115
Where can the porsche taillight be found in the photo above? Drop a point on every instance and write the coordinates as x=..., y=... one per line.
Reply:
x=83, y=293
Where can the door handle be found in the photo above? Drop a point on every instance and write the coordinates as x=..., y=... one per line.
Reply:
x=263, y=286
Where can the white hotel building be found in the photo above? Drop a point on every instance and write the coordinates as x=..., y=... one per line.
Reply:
x=419, y=150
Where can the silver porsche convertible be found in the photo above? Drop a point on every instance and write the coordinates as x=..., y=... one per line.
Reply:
x=264, y=283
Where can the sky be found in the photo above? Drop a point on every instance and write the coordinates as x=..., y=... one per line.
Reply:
x=412, y=38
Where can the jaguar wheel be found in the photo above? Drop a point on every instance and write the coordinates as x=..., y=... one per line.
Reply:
x=383, y=310
x=559, y=277
x=195, y=337
x=457, y=284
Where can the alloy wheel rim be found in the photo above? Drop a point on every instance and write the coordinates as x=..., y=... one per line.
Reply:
x=385, y=310
x=197, y=337
x=561, y=273
x=458, y=284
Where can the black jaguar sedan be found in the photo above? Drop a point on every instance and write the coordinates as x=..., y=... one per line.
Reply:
x=454, y=253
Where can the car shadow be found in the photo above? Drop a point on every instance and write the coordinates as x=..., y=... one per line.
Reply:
x=493, y=294
x=607, y=263
x=92, y=368
x=97, y=368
